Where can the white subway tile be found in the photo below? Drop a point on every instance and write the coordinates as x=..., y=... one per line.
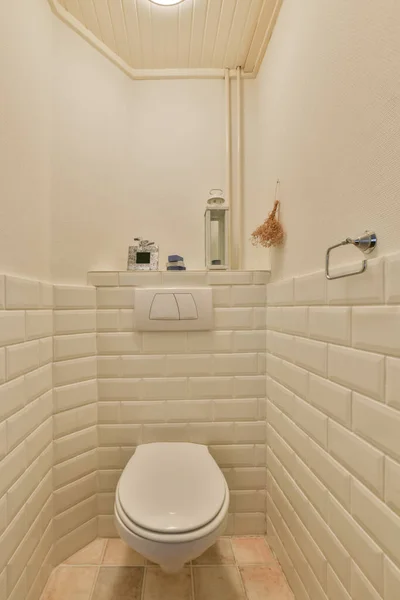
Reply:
x=392, y=580
x=335, y=589
x=66, y=296
x=211, y=433
x=246, y=341
x=76, y=394
x=282, y=344
x=332, y=475
x=115, y=297
x=230, y=278
x=209, y=341
x=361, y=371
x=74, y=321
x=75, y=370
x=110, y=412
x=253, y=432
x=310, y=289
x=332, y=399
x=295, y=320
x=233, y=318
x=11, y=468
x=377, y=329
x=46, y=295
x=2, y=365
x=39, y=324
x=249, y=386
x=74, y=420
x=248, y=295
x=377, y=423
x=119, y=343
x=311, y=355
x=235, y=409
x=160, y=342
x=260, y=317
x=330, y=324
x=295, y=378
x=38, y=382
x=393, y=382
x=143, y=366
x=234, y=364
x=164, y=388
x=392, y=484
x=46, y=351
x=22, y=358
x=281, y=293
x=377, y=519
x=359, y=457
x=22, y=293
x=74, y=346
x=211, y=387
x=392, y=280
x=189, y=411
x=127, y=320
x=249, y=478
x=189, y=364
x=168, y=432
x=184, y=278
x=39, y=439
x=311, y=486
x=75, y=444
x=221, y=295
x=74, y=492
x=103, y=278
x=366, y=288
x=280, y=396
x=311, y=420
x=12, y=397
x=119, y=389
x=12, y=327
x=107, y=320
x=274, y=317
x=109, y=366
x=140, y=278
x=2, y=291
x=361, y=589
x=260, y=277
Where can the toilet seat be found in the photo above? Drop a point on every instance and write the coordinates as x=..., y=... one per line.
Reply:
x=172, y=493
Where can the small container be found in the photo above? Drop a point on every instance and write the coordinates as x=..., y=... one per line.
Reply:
x=216, y=225
x=143, y=256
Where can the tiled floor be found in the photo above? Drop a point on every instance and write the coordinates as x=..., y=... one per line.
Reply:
x=233, y=569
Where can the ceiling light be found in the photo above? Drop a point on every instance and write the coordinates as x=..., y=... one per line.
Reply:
x=166, y=2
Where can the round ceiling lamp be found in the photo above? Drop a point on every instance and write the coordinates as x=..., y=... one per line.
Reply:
x=166, y=2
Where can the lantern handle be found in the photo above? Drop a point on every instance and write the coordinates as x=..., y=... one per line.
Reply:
x=213, y=190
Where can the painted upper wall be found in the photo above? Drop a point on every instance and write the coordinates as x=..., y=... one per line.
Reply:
x=329, y=127
x=25, y=137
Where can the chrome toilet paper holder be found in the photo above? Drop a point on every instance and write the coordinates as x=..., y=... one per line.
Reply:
x=366, y=243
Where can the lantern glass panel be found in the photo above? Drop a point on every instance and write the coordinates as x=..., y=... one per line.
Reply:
x=217, y=235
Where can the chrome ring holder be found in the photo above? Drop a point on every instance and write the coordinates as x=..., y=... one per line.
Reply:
x=366, y=243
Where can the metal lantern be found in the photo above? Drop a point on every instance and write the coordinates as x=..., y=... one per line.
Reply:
x=217, y=231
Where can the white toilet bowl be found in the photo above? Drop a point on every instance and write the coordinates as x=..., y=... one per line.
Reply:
x=171, y=503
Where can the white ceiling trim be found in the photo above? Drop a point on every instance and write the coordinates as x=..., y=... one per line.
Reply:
x=106, y=41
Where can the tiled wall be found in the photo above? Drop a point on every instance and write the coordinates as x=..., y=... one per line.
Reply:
x=205, y=387
x=26, y=436
x=333, y=420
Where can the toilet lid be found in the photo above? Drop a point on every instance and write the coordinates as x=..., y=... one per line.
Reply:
x=171, y=487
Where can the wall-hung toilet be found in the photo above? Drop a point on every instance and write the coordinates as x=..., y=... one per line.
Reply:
x=171, y=503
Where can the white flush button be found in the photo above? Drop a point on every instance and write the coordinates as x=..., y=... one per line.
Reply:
x=187, y=307
x=164, y=307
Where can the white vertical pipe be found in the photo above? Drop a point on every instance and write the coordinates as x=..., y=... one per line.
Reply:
x=239, y=171
x=228, y=163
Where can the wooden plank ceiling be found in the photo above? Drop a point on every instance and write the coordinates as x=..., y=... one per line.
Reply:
x=195, y=34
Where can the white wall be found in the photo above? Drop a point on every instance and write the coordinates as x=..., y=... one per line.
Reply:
x=130, y=158
x=25, y=113
x=329, y=127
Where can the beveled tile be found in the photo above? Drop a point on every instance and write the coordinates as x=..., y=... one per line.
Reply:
x=218, y=583
x=118, y=583
x=252, y=551
x=91, y=554
x=220, y=553
x=119, y=554
x=71, y=582
x=265, y=583
x=160, y=586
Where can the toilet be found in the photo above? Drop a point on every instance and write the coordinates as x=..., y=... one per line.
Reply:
x=171, y=503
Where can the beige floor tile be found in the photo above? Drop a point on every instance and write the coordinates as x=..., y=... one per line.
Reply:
x=119, y=554
x=70, y=582
x=265, y=583
x=252, y=551
x=160, y=586
x=219, y=554
x=89, y=555
x=118, y=583
x=218, y=583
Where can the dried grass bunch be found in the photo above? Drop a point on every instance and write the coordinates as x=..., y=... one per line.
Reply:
x=271, y=232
